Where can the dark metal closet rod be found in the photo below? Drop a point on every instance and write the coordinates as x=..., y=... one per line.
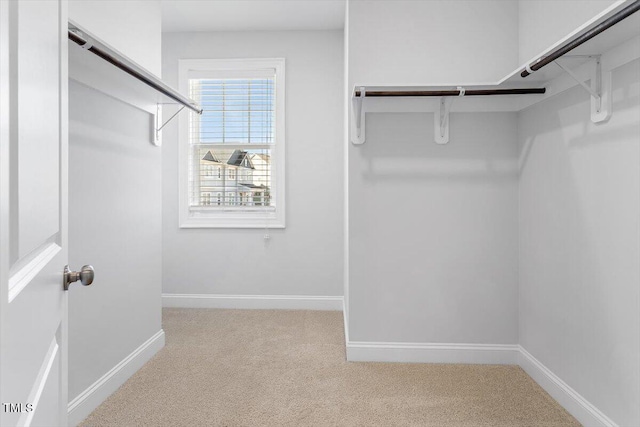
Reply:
x=129, y=67
x=454, y=92
x=584, y=37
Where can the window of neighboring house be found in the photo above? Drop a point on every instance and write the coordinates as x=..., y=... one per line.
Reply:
x=242, y=130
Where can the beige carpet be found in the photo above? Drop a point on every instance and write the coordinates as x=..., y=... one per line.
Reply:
x=288, y=368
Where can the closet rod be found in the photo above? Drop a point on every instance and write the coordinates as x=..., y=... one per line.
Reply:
x=455, y=92
x=116, y=59
x=582, y=38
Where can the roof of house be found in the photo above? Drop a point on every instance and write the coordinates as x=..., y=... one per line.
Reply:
x=211, y=157
x=240, y=158
x=265, y=157
x=250, y=185
x=237, y=158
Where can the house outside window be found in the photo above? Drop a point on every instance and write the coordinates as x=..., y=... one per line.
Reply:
x=240, y=136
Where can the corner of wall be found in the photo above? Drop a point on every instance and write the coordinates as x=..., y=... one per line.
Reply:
x=585, y=412
x=346, y=174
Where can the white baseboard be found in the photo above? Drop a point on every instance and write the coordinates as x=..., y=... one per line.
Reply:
x=356, y=351
x=587, y=414
x=432, y=353
x=510, y=354
x=80, y=407
x=264, y=302
x=345, y=320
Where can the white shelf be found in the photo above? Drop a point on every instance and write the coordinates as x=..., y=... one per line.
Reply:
x=95, y=64
x=615, y=47
x=603, y=42
x=614, y=36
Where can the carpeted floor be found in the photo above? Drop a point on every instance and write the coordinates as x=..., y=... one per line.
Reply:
x=288, y=368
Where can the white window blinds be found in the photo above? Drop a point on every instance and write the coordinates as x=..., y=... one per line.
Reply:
x=235, y=111
x=232, y=143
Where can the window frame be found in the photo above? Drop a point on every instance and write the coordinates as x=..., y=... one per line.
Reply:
x=207, y=218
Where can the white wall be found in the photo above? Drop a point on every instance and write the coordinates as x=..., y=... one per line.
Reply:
x=306, y=257
x=432, y=42
x=433, y=229
x=132, y=27
x=114, y=224
x=543, y=23
x=579, y=244
x=114, y=203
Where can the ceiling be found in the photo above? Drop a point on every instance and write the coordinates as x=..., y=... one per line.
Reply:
x=252, y=15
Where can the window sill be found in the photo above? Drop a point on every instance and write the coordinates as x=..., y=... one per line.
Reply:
x=213, y=222
x=229, y=226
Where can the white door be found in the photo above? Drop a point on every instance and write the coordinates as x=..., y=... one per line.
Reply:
x=33, y=212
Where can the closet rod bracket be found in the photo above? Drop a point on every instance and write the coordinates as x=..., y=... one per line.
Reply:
x=441, y=121
x=441, y=117
x=599, y=88
x=357, y=106
x=157, y=141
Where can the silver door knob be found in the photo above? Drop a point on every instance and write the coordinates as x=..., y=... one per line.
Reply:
x=85, y=276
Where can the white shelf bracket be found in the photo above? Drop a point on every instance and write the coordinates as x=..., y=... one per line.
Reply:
x=600, y=89
x=158, y=125
x=441, y=121
x=357, y=105
x=441, y=118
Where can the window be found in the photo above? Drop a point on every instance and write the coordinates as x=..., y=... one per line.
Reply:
x=240, y=135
